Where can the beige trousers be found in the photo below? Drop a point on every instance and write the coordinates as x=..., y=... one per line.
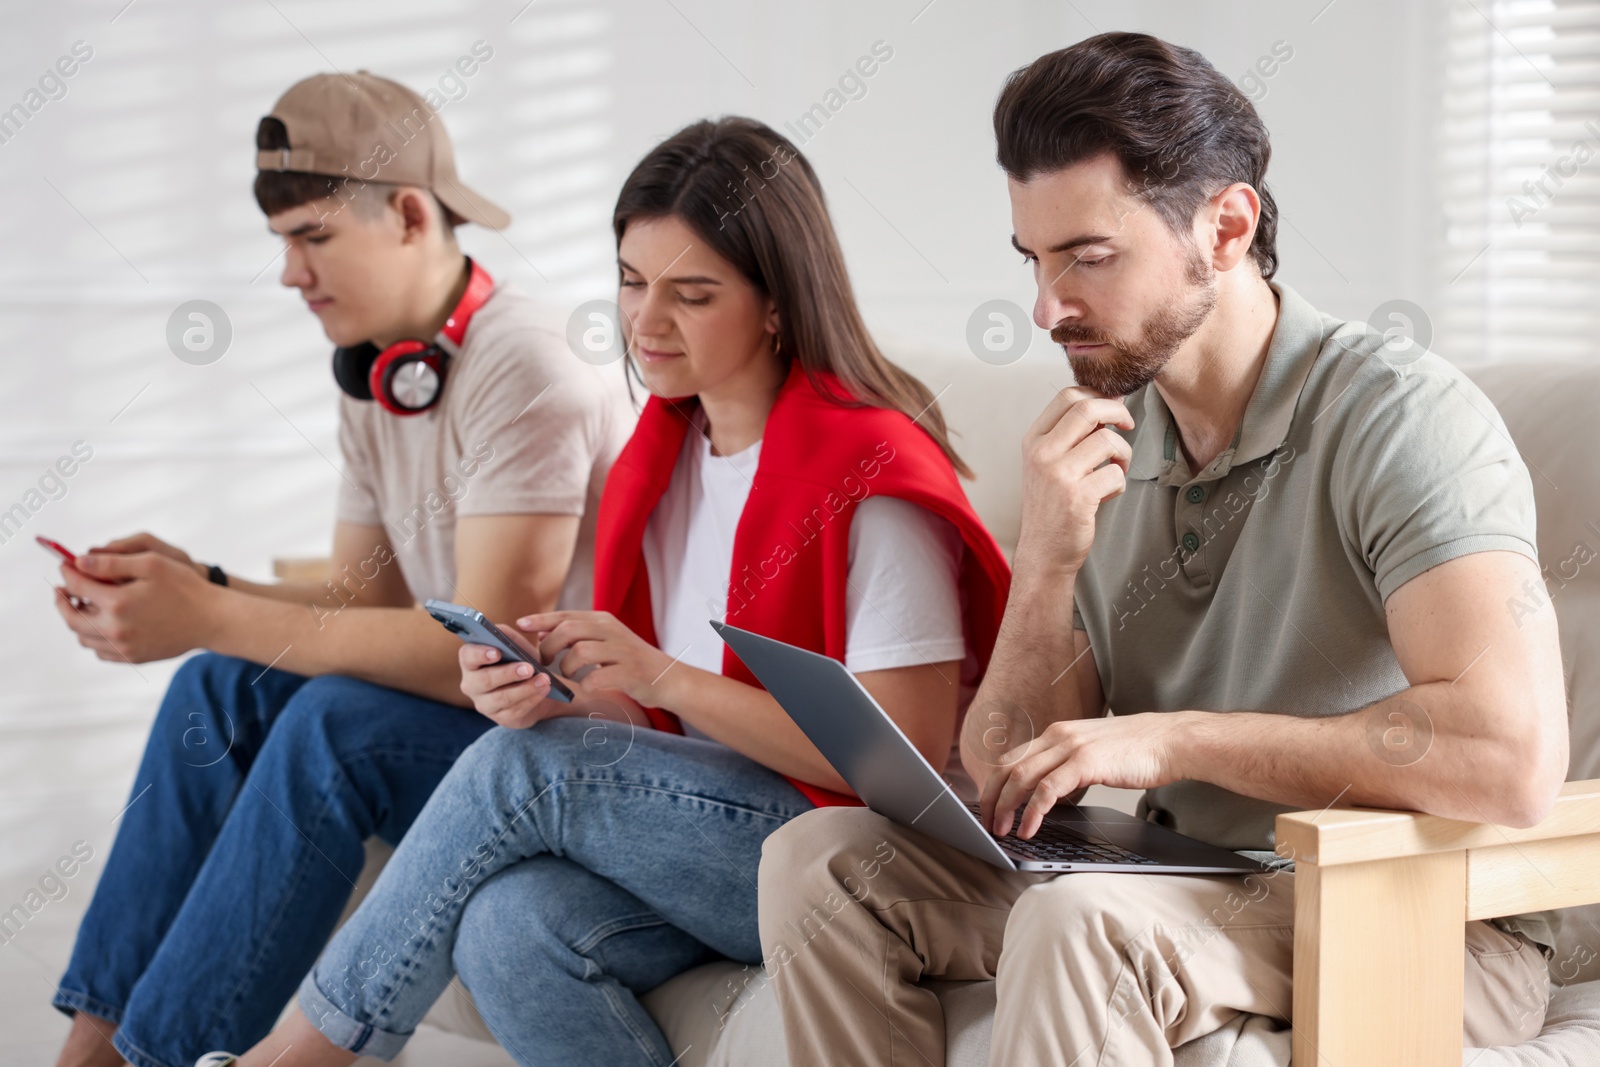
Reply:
x=1094, y=970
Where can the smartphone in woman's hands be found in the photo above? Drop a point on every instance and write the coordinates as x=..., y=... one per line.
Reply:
x=474, y=629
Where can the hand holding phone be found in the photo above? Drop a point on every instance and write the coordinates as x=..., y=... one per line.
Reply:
x=474, y=629
x=70, y=558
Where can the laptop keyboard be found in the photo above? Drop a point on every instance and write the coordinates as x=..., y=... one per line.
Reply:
x=1056, y=844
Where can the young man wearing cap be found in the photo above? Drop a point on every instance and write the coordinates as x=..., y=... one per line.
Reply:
x=475, y=447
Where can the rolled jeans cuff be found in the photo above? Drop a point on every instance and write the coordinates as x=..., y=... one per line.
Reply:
x=347, y=1033
x=70, y=1002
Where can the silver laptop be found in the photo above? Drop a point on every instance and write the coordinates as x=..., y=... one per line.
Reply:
x=887, y=772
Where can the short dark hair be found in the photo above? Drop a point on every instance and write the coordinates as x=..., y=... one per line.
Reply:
x=280, y=190
x=1180, y=129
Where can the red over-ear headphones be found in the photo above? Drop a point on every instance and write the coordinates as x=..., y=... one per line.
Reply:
x=407, y=378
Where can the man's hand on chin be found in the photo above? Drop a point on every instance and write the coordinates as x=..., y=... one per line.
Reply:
x=1124, y=752
x=136, y=607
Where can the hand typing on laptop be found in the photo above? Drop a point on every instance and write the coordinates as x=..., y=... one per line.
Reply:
x=1126, y=752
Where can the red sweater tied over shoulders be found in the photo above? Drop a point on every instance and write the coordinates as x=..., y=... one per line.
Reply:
x=818, y=461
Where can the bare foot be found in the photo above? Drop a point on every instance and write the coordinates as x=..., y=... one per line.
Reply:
x=296, y=1043
x=89, y=1044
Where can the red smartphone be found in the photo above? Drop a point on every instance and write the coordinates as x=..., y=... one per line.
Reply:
x=57, y=548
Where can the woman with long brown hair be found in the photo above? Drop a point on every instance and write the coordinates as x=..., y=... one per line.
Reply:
x=784, y=476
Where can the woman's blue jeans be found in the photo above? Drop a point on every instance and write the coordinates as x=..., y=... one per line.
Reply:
x=563, y=870
x=241, y=845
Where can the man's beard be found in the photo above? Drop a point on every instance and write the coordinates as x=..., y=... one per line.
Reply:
x=1124, y=366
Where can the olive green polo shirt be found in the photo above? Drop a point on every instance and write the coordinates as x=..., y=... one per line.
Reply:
x=1258, y=583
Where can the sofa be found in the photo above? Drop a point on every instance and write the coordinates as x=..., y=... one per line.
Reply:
x=724, y=1015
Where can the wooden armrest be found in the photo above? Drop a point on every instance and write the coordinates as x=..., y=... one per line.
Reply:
x=1380, y=901
x=306, y=569
x=1355, y=835
x=1555, y=864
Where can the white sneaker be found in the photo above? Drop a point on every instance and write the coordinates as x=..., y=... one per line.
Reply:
x=217, y=1059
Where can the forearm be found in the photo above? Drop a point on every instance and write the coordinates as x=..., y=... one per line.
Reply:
x=286, y=592
x=747, y=720
x=401, y=648
x=1424, y=749
x=325, y=597
x=1030, y=679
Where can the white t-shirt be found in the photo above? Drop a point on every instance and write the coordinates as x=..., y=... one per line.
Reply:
x=903, y=604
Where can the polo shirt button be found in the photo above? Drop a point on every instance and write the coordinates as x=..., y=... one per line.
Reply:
x=1197, y=493
x=1191, y=542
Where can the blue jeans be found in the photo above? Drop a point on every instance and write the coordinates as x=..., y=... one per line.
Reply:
x=562, y=870
x=241, y=845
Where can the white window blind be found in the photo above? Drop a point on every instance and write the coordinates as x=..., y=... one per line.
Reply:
x=1519, y=181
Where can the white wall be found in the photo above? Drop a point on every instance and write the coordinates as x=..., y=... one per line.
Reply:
x=130, y=195
x=910, y=169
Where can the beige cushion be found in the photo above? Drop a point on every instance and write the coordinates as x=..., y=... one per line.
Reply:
x=989, y=409
x=1546, y=408
x=707, y=1028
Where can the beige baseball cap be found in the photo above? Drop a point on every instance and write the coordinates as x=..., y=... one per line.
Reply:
x=361, y=126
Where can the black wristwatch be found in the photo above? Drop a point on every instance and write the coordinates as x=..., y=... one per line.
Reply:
x=215, y=575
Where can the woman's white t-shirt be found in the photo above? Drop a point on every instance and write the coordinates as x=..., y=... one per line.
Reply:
x=903, y=604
